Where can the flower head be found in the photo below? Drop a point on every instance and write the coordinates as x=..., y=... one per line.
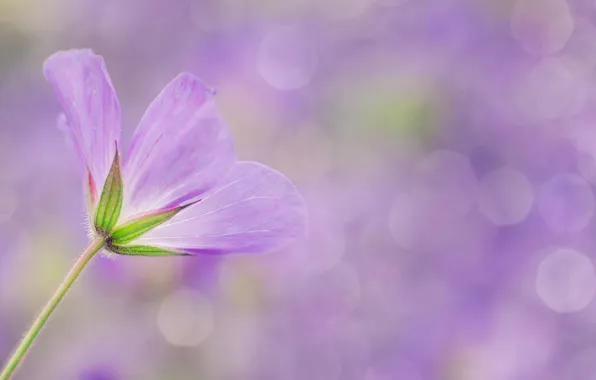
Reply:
x=179, y=188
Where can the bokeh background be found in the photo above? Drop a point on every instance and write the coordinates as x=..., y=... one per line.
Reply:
x=447, y=152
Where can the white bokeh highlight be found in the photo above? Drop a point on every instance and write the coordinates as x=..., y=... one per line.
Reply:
x=185, y=318
x=287, y=59
x=566, y=203
x=541, y=27
x=552, y=88
x=505, y=196
x=565, y=280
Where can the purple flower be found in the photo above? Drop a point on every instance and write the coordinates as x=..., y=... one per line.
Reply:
x=181, y=190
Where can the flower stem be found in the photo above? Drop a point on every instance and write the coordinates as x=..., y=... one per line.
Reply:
x=74, y=273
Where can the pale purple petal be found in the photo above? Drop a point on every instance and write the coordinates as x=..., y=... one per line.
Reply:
x=91, y=110
x=180, y=150
x=255, y=209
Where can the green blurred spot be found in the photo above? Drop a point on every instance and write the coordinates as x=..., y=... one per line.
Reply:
x=110, y=203
x=375, y=109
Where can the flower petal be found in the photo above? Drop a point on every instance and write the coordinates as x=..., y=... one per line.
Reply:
x=256, y=209
x=180, y=150
x=92, y=113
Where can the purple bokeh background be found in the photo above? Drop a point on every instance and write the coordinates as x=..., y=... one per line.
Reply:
x=446, y=150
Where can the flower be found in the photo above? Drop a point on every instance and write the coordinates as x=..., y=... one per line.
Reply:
x=180, y=189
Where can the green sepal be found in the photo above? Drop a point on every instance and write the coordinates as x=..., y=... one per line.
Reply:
x=144, y=250
x=110, y=202
x=131, y=230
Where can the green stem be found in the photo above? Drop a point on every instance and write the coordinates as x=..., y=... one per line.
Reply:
x=25, y=344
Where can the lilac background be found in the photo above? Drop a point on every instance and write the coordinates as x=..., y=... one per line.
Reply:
x=447, y=151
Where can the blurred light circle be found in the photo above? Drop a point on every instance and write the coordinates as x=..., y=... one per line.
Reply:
x=550, y=89
x=185, y=318
x=566, y=281
x=446, y=182
x=494, y=354
x=566, y=203
x=287, y=59
x=581, y=47
x=505, y=196
x=541, y=27
x=419, y=224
